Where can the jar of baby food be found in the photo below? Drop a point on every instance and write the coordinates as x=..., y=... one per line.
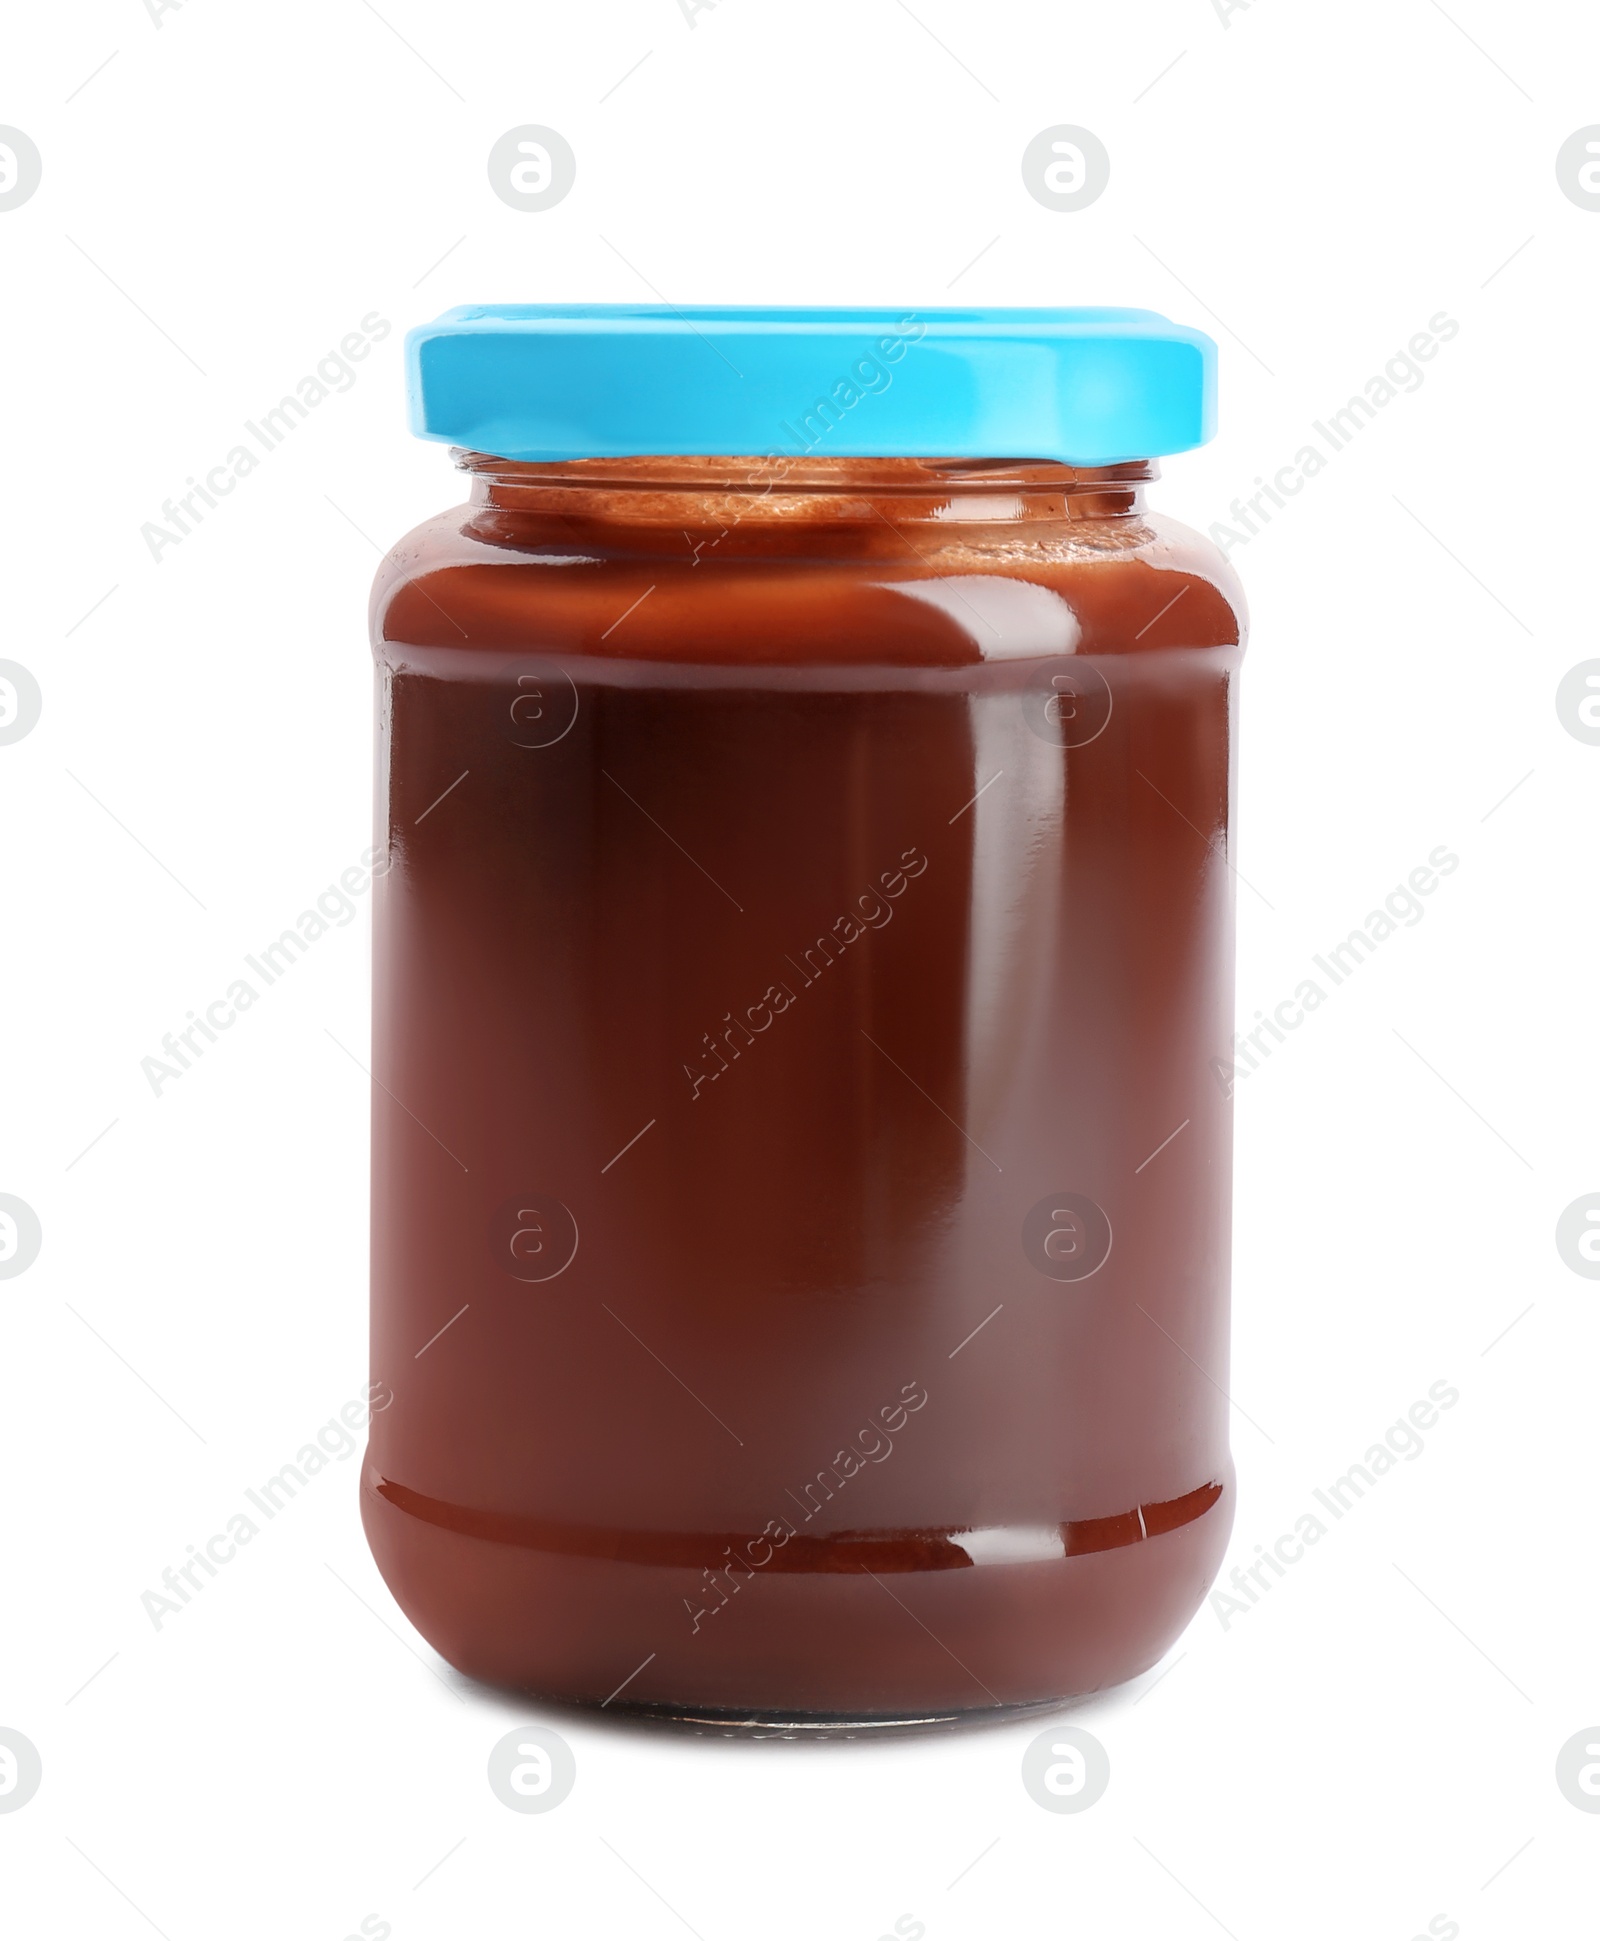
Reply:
x=803, y=955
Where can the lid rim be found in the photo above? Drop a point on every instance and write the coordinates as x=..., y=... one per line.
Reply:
x=543, y=383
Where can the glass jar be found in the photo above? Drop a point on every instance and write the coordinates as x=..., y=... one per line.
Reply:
x=800, y=1185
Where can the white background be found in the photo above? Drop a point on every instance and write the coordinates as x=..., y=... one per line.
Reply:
x=1369, y=1747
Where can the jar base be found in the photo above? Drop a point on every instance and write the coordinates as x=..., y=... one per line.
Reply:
x=802, y=1655
x=817, y=1726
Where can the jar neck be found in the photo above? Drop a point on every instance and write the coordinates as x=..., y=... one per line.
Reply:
x=724, y=492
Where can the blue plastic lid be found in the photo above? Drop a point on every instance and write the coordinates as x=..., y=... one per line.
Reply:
x=544, y=382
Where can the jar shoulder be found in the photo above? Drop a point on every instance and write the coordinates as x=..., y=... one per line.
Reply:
x=926, y=592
